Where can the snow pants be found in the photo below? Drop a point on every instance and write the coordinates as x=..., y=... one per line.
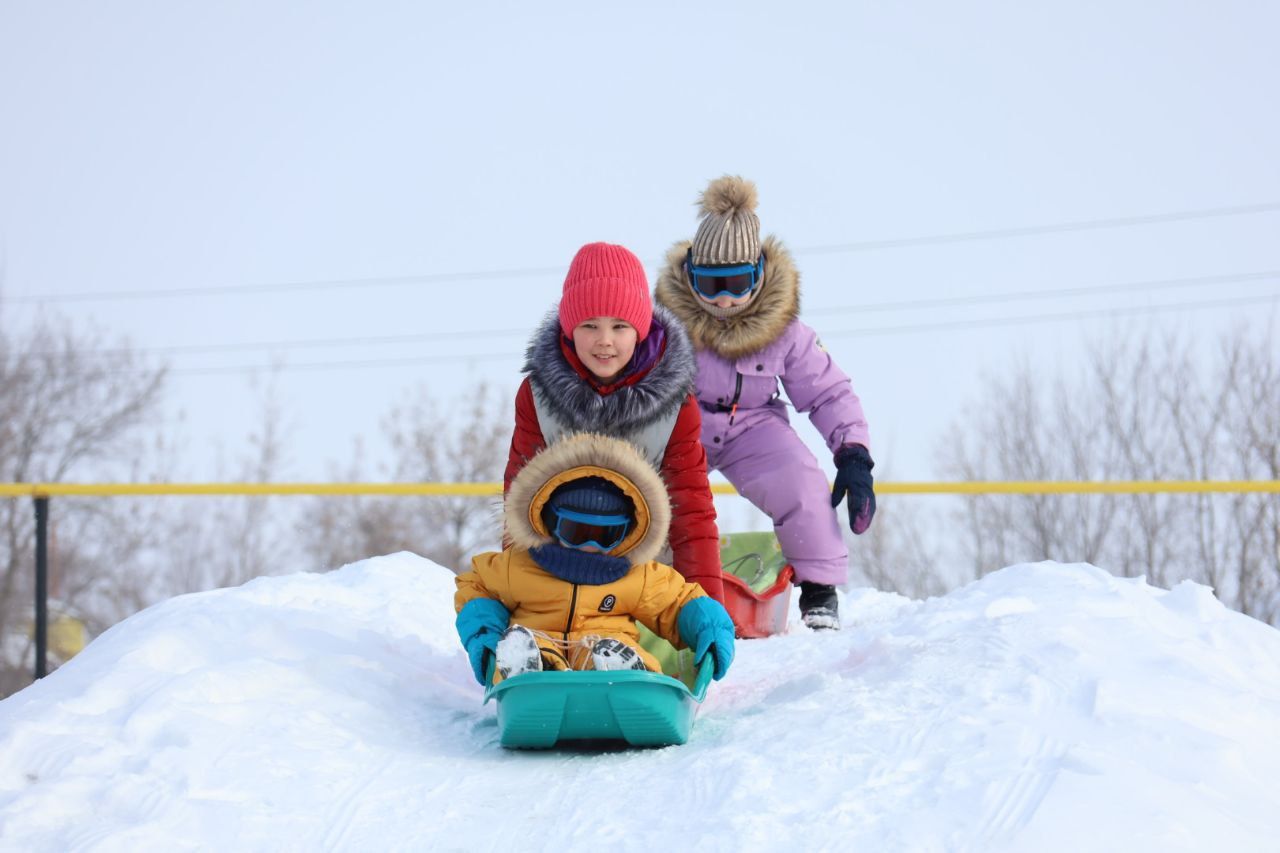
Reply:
x=771, y=467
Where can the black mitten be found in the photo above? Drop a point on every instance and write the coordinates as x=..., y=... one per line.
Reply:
x=853, y=478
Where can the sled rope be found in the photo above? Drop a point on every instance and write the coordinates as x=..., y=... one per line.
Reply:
x=576, y=653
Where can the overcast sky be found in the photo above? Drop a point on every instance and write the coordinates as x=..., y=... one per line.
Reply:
x=379, y=155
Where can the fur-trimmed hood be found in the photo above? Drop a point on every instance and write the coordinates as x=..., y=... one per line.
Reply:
x=590, y=455
x=626, y=410
x=765, y=318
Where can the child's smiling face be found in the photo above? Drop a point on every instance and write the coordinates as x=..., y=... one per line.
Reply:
x=605, y=345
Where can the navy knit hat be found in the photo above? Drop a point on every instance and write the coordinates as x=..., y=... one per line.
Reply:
x=589, y=494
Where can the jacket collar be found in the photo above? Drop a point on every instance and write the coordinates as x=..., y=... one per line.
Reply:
x=579, y=566
x=627, y=406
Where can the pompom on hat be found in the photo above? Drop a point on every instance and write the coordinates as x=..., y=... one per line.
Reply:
x=730, y=230
x=606, y=280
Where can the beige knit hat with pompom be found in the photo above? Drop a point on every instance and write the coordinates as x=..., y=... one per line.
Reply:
x=730, y=230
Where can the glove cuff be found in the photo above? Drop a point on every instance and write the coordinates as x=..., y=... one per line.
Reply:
x=698, y=615
x=854, y=453
x=480, y=615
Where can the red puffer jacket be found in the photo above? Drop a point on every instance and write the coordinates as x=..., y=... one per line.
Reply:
x=622, y=410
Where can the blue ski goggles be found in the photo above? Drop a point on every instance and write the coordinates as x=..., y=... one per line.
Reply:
x=585, y=529
x=734, y=281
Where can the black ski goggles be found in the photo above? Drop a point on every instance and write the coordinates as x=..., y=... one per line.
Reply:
x=588, y=529
x=734, y=281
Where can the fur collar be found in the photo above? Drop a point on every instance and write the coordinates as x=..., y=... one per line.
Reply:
x=632, y=407
x=765, y=318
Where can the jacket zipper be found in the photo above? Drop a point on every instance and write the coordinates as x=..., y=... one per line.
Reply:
x=573, y=603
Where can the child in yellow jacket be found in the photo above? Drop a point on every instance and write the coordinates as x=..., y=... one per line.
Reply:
x=586, y=517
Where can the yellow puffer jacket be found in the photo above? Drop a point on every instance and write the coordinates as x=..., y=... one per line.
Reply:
x=571, y=615
x=568, y=614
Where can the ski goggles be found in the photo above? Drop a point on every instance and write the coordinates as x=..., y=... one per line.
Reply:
x=588, y=529
x=734, y=281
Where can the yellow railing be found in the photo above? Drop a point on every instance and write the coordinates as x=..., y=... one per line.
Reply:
x=1006, y=487
x=136, y=489
x=42, y=492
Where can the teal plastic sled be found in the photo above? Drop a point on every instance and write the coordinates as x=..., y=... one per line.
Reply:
x=538, y=710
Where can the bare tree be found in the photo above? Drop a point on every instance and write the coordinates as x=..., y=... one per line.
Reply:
x=1026, y=429
x=112, y=557
x=335, y=531
x=896, y=554
x=1148, y=407
x=1253, y=425
x=226, y=541
x=69, y=406
x=464, y=442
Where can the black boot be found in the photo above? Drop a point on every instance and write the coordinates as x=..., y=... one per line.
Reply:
x=819, y=606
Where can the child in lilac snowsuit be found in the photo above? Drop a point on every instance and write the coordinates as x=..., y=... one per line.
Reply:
x=738, y=297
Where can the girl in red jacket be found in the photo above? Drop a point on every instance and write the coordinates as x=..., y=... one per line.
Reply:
x=609, y=361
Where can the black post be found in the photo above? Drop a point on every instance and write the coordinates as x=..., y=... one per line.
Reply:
x=42, y=585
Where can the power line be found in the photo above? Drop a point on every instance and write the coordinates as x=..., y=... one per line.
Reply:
x=312, y=343
x=1022, y=295
x=1042, y=318
x=867, y=332
x=285, y=287
x=373, y=362
x=916, y=304
x=1035, y=230
x=531, y=272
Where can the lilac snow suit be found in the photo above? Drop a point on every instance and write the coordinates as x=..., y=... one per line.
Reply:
x=743, y=366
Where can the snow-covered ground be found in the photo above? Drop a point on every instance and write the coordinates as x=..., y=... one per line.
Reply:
x=1044, y=707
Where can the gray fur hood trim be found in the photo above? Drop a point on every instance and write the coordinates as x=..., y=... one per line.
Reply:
x=631, y=408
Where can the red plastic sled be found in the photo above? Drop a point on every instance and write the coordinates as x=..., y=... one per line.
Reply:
x=757, y=583
x=758, y=614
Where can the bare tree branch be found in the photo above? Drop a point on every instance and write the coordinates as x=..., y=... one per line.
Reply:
x=1149, y=407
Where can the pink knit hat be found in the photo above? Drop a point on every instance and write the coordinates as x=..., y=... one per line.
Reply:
x=605, y=280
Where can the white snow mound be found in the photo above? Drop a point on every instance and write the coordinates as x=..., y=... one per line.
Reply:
x=1043, y=707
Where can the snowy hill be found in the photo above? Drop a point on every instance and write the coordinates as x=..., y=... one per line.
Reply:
x=1045, y=707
